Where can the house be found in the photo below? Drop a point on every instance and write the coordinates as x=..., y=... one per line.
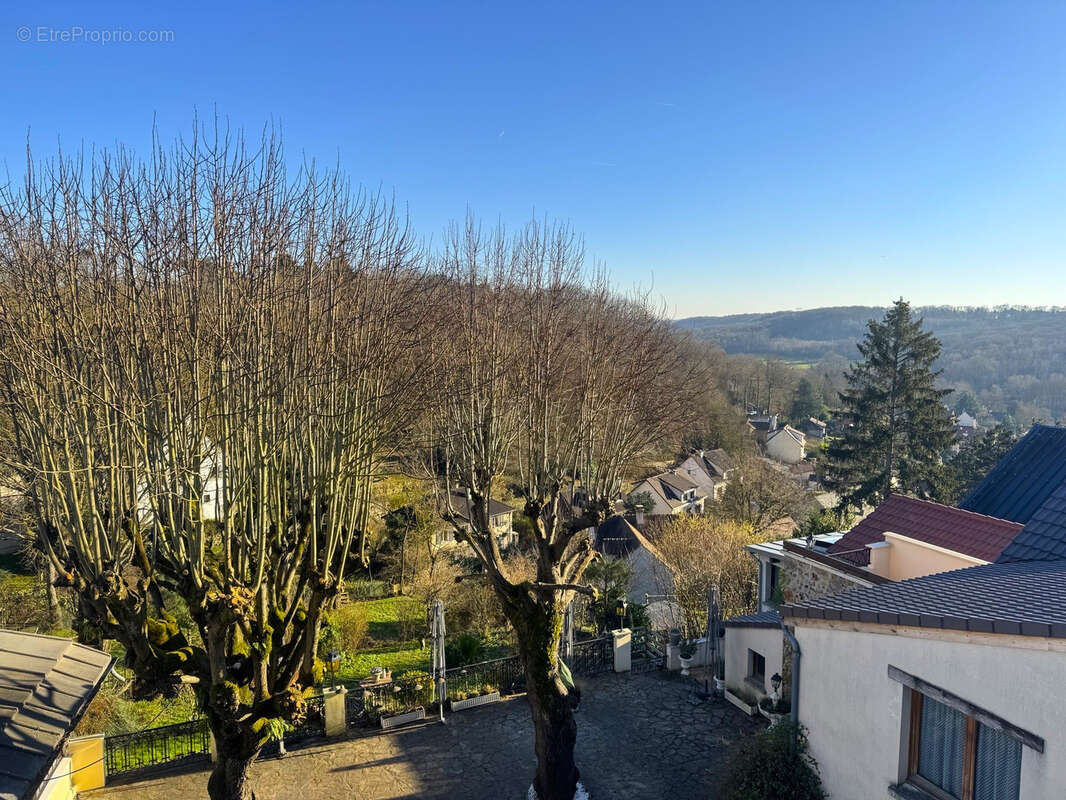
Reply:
x=940, y=686
x=710, y=470
x=786, y=445
x=902, y=538
x=1024, y=479
x=46, y=683
x=617, y=537
x=814, y=428
x=965, y=426
x=671, y=493
x=761, y=426
x=457, y=505
x=907, y=538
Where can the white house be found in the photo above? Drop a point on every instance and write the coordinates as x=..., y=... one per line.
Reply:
x=710, y=470
x=944, y=686
x=786, y=445
x=672, y=493
x=456, y=504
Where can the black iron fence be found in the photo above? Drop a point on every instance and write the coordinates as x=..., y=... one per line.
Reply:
x=593, y=656
x=504, y=675
x=167, y=744
x=365, y=705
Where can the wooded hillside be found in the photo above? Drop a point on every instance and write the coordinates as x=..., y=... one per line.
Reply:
x=1013, y=359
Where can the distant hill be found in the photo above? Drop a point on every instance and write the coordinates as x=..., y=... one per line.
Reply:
x=1008, y=355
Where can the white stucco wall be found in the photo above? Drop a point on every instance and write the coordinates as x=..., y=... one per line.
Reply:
x=769, y=642
x=785, y=448
x=852, y=709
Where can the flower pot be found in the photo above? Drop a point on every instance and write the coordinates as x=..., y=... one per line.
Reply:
x=686, y=663
x=719, y=685
x=473, y=702
x=747, y=708
x=402, y=719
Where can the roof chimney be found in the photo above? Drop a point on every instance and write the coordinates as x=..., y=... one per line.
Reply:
x=640, y=515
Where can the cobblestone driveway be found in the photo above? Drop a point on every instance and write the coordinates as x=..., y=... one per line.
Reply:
x=639, y=736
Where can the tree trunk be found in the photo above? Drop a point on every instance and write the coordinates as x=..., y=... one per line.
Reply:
x=55, y=609
x=552, y=707
x=235, y=754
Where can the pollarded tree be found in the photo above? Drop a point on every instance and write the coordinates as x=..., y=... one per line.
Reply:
x=898, y=425
x=204, y=359
x=562, y=384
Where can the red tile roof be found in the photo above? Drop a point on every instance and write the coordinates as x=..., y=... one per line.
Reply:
x=966, y=532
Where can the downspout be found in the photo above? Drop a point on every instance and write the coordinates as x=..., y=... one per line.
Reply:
x=796, y=654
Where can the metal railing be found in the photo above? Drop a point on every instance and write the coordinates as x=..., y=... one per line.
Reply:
x=167, y=744
x=593, y=656
x=190, y=741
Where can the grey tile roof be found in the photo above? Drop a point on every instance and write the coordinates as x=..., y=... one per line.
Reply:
x=1026, y=598
x=460, y=506
x=1023, y=479
x=1044, y=536
x=46, y=682
x=762, y=619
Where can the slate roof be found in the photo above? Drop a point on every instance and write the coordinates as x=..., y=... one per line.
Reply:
x=459, y=506
x=617, y=537
x=1025, y=598
x=965, y=532
x=762, y=619
x=672, y=486
x=46, y=683
x=1044, y=536
x=1023, y=479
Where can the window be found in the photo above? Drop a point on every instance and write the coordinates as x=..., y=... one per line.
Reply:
x=757, y=669
x=207, y=498
x=953, y=755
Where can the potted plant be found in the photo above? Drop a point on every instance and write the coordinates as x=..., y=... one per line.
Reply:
x=718, y=671
x=276, y=728
x=481, y=695
x=774, y=710
x=688, y=652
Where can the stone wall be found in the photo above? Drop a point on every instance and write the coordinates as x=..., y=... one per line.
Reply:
x=805, y=581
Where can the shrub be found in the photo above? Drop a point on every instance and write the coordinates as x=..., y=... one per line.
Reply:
x=782, y=706
x=769, y=767
x=345, y=628
x=466, y=648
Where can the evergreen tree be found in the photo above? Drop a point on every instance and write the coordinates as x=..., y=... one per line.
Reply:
x=806, y=402
x=976, y=459
x=898, y=423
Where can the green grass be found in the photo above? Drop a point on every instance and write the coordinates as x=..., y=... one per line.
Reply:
x=400, y=657
x=385, y=615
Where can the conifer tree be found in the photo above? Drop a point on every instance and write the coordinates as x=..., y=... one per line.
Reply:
x=898, y=423
x=806, y=402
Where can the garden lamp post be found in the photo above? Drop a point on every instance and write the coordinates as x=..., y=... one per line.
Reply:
x=620, y=607
x=775, y=681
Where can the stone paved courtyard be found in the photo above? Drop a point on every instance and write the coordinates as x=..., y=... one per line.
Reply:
x=639, y=736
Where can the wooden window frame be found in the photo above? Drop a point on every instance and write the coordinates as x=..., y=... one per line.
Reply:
x=969, y=753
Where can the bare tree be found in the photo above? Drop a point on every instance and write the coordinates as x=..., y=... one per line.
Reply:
x=201, y=323
x=701, y=552
x=560, y=383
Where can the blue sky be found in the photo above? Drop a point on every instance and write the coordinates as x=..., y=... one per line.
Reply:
x=735, y=157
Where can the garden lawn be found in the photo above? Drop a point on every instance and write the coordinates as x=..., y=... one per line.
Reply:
x=389, y=619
